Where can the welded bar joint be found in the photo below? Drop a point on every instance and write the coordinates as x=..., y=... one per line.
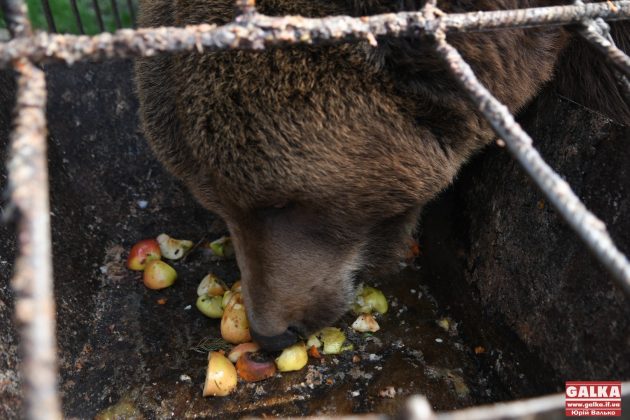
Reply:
x=590, y=31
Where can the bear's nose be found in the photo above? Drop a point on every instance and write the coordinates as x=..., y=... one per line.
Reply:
x=276, y=342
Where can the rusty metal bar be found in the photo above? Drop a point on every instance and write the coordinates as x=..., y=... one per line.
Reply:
x=116, y=14
x=32, y=281
x=132, y=13
x=256, y=31
x=77, y=16
x=50, y=20
x=99, y=15
x=28, y=184
x=615, y=55
x=558, y=192
x=549, y=406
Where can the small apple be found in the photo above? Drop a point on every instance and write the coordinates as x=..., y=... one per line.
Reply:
x=142, y=253
x=220, y=376
x=159, y=275
x=292, y=358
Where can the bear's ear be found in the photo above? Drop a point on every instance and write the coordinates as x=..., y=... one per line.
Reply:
x=584, y=75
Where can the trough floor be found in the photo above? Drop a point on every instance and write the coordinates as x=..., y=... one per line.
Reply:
x=123, y=345
x=141, y=351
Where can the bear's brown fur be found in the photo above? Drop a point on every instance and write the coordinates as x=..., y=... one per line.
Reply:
x=319, y=158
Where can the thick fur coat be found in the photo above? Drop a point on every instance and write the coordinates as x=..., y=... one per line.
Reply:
x=319, y=158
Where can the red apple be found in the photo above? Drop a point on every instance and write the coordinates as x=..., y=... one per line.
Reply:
x=142, y=253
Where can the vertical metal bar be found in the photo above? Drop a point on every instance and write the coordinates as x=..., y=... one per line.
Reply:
x=32, y=281
x=16, y=17
x=28, y=185
x=99, y=15
x=132, y=13
x=77, y=16
x=49, y=16
x=558, y=192
x=116, y=14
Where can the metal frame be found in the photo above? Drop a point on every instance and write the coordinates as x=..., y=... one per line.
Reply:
x=28, y=173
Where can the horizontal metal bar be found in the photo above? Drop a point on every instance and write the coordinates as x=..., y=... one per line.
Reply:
x=255, y=31
x=558, y=192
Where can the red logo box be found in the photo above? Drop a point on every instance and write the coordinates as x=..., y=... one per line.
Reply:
x=595, y=398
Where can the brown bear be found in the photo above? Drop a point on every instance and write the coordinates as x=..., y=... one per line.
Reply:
x=319, y=158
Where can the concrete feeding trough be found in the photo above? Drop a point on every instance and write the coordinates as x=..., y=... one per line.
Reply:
x=504, y=303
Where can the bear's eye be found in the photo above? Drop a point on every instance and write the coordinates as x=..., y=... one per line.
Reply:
x=274, y=208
